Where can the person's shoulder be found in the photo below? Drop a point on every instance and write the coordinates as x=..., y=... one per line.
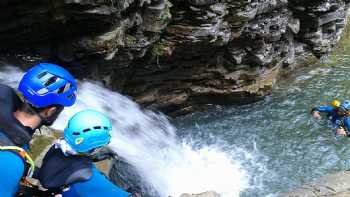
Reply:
x=8, y=95
x=5, y=87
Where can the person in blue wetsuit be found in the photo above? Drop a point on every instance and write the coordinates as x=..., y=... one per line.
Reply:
x=45, y=90
x=68, y=167
x=337, y=114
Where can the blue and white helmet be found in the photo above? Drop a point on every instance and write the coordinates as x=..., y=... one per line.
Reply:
x=88, y=130
x=345, y=105
x=48, y=84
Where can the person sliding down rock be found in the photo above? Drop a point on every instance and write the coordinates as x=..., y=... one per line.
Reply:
x=46, y=89
x=68, y=168
x=338, y=114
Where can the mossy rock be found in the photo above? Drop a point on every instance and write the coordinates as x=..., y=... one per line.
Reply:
x=41, y=142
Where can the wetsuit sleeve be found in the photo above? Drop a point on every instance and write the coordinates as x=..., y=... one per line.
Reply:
x=11, y=171
x=97, y=185
x=347, y=125
x=324, y=108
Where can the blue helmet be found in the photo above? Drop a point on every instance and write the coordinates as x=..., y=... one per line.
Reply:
x=48, y=84
x=345, y=105
x=87, y=130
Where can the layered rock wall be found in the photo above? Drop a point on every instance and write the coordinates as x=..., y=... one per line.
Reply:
x=174, y=54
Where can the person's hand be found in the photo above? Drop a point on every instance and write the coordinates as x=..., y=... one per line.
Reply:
x=341, y=131
x=316, y=115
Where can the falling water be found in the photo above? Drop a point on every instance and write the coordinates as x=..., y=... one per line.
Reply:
x=148, y=142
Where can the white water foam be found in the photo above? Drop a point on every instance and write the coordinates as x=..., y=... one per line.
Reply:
x=148, y=141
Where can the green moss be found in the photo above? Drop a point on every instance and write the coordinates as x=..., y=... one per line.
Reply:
x=158, y=49
x=39, y=144
x=166, y=15
x=343, y=46
x=130, y=40
x=341, y=50
x=57, y=134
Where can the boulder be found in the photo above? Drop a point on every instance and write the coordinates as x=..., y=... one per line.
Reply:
x=204, y=194
x=173, y=55
x=337, y=185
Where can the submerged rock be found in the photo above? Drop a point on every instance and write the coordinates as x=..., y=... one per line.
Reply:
x=127, y=177
x=173, y=55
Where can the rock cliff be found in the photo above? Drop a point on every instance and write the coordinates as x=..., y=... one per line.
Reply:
x=174, y=54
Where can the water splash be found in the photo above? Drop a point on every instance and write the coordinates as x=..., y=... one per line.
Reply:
x=10, y=76
x=148, y=142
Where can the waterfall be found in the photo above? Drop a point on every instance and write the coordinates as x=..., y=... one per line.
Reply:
x=148, y=142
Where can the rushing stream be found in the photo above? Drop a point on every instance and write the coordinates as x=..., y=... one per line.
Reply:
x=254, y=150
x=289, y=148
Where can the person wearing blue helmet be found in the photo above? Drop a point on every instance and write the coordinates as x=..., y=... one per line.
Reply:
x=68, y=168
x=338, y=114
x=43, y=92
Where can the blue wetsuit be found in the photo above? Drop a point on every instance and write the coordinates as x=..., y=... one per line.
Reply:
x=97, y=185
x=337, y=121
x=11, y=170
x=76, y=175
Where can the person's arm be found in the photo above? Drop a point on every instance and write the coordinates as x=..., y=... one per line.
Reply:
x=323, y=108
x=97, y=185
x=344, y=128
x=316, y=111
x=347, y=126
x=341, y=131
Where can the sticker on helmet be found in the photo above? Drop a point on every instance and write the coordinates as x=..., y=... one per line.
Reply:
x=79, y=140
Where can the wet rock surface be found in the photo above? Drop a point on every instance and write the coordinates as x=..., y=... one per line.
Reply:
x=337, y=185
x=127, y=177
x=204, y=194
x=173, y=55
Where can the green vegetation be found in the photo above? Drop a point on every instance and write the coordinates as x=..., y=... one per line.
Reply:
x=158, y=49
x=342, y=50
x=39, y=144
x=344, y=43
x=166, y=15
